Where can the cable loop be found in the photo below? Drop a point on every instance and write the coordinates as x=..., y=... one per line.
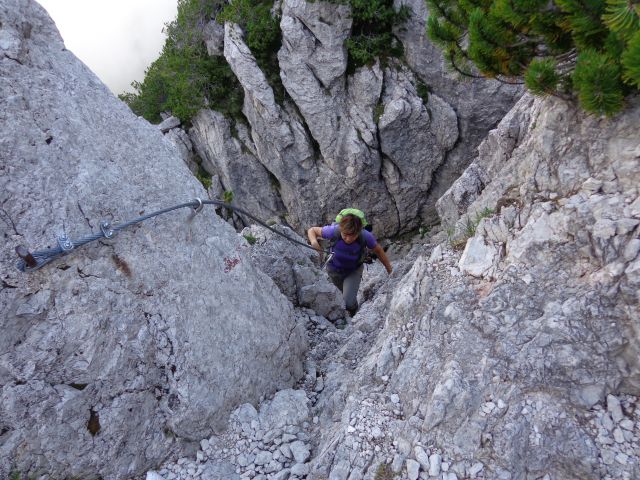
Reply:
x=200, y=206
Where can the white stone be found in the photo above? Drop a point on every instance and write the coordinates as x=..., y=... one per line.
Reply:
x=627, y=424
x=421, y=457
x=397, y=463
x=475, y=469
x=477, y=258
x=300, y=469
x=631, y=249
x=300, y=451
x=154, y=476
x=622, y=458
x=435, y=462
x=263, y=458
x=436, y=254
x=618, y=435
x=413, y=469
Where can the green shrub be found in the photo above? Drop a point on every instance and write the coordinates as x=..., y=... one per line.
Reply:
x=250, y=239
x=588, y=49
x=185, y=78
x=384, y=472
x=469, y=228
x=204, y=177
x=372, y=34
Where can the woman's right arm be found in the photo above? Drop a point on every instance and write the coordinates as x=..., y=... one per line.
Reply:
x=314, y=233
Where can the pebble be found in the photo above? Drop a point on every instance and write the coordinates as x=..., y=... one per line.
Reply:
x=263, y=458
x=607, y=422
x=300, y=469
x=300, y=451
x=614, y=407
x=413, y=469
x=475, y=469
x=435, y=462
x=395, y=398
x=396, y=464
x=622, y=458
x=627, y=424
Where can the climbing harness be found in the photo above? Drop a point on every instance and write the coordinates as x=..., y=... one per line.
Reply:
x=30, y=261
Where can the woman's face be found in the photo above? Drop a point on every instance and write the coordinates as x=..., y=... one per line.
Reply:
x=349, y=238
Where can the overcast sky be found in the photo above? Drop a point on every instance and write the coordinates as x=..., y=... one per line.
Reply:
x=117, y=39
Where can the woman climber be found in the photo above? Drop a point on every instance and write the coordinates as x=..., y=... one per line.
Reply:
x=349, y=244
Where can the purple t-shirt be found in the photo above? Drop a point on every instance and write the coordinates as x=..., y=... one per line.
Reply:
x=346, y=256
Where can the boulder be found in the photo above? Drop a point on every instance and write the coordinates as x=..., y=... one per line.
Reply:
x=149, y=338
x=168, y=124
x=293, y=268
x=181, y=140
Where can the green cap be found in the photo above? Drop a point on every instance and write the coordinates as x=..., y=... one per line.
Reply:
x=352, y=211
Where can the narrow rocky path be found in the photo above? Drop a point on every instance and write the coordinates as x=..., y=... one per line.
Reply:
x=346, y=420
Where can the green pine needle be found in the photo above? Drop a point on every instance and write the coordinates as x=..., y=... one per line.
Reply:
x=631, y=61
x=597, y=79
x=541, y=77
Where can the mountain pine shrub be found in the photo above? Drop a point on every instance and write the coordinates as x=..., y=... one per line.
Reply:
x=589, y=49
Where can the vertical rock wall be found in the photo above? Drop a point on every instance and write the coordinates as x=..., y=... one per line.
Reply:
x=364, y=139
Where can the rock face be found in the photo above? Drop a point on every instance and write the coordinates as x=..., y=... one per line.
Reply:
x=479, y=103
x=516, y=359
x=119, y=354
x=364, y=139
x=518, y=368
x=239, y=170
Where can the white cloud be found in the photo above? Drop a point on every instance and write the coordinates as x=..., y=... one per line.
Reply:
x=117, y=39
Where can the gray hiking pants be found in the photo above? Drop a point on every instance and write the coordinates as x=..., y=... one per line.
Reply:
x=348, y=284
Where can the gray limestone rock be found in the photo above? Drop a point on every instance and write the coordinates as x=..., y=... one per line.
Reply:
x=414, y=139
x=365, y=139
x=123, y=352
x=213, y=34
x=280, y=139
x=501, y=374
x=239, y=170
x=181, y=140
x=494, y=152
x=168, y=124
x=288, y=407
x=293, y=268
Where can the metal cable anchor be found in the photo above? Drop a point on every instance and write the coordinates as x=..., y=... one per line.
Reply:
x=65, y=243
x=105, y=228
x=200, y=206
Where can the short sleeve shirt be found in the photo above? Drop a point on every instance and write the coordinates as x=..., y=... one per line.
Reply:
x=345, y=255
